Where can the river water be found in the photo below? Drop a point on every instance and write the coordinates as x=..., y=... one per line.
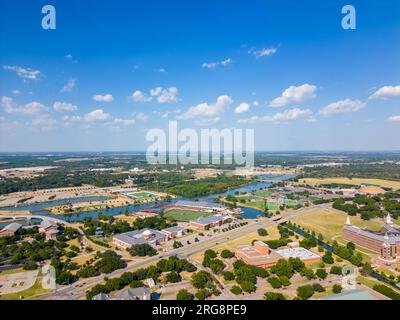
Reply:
x=248, y=213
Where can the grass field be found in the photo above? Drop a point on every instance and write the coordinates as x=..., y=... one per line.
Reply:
x=356, y=181
x=258, y=205
x=185, y=215
x=141, y=195
x=264, y=194
x=330, y=222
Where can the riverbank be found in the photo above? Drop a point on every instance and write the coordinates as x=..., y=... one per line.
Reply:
x=38, y=209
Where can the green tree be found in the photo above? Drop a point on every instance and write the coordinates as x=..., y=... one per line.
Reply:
x=321, y=273
x=184, y=295
x=336, y=270
x=228, y=276
x=142, y=250
x=262, y=232
x=236, y=290
x=202, y=294
x=226, y=254
x=201, y=279
x=173, y=277
x=337, y=288
x=275, y=282
x=274, y=296
x=305, y=292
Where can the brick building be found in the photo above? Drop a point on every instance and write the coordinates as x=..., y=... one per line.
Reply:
x=385, y=243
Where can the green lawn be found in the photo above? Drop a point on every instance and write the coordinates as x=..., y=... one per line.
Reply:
x=258, y=205
x=330, y=222
x=185, y=215
x=264, y=194
x=141, y=195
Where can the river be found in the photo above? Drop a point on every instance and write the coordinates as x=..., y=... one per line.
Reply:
x=248, y=213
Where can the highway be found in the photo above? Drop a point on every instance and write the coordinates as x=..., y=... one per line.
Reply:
x=78, y=289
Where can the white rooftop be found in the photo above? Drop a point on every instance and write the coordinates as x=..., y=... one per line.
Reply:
x=298, y=252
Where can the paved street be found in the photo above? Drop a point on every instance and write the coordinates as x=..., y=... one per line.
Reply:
x=78, y=289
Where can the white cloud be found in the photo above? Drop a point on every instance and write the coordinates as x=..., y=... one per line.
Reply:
x=213, y=65
x=97, y=115
x=169, y=95
x=162, y=95
x=243, y=107
x=25, y=73
x=103, y=98
x=295, y=94
x=285, y=116
x=162, y=70
x=290, y=115
x=342, y=106
x=69, y=86
x=31, y=108
x=64, y=106
x=16, y=92
x=256, y=103
x=208, y=110
x=69, y=56
x=44, y=122
x=125, y=122
x=264, y=52
x=156, y=91
x=72, y=118
x=167, y=113
x=394, y=118
x=249, y=120
x=139, y=96
x=386, y=92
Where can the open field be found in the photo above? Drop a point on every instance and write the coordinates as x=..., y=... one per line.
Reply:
x=258, y=205
x=355, y=181
x=245, y=240
x=330, y=222
x=265, y=193
x=129, y=218
x=258, y=195
x=89, y=205
x=185, y=215
x=14, y=213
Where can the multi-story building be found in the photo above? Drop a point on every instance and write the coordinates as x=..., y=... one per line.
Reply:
x=385, y=243
x=205, y=223
x=10, y=230
x=261, y=255
x=149, y=236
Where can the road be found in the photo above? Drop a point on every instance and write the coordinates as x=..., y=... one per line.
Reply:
x=78, y=289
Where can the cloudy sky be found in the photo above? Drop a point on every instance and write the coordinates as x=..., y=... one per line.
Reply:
x=112, y=70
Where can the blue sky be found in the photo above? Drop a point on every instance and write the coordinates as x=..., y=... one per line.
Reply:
x=114, y=69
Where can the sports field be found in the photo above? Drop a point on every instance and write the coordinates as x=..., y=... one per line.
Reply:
x=185, y=215
x=141, y=195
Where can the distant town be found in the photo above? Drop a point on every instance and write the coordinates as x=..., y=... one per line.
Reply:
x=320, y=226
